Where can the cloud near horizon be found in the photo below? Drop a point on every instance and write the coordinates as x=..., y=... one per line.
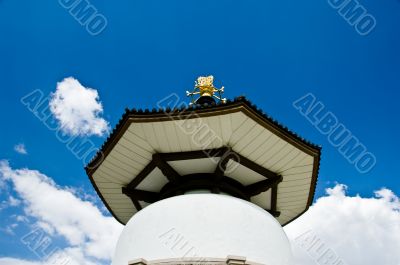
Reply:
x=340, y=229
x=351, y=229
x=90, y=236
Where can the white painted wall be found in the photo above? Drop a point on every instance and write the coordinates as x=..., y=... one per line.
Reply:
x=203, y=225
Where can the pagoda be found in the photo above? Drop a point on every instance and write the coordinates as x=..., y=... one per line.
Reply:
x=209, y=182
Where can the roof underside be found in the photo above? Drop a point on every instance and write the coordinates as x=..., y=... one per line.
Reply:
x=126, y=158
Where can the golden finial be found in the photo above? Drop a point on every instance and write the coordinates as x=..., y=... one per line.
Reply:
x=205, y=87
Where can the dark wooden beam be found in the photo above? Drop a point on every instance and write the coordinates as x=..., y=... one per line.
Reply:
x=274, y=197
x=215, y=190
x=142, y=175
x=263, y=185
x=274, y=213
x=204, y=181
x=165, y=168
x=215, y=152
x=257, y=168
x=136, y=204
x=141, y=195
x=221, y=166
x=216, y=182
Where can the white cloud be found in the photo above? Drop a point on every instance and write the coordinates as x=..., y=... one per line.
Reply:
x=353, y=230
x=68, y=256
x=78, y=109
x=12, y=261
x=89, y=233
x=13, y=201
x=21, y=218
x=20, y=149
x=9, y=229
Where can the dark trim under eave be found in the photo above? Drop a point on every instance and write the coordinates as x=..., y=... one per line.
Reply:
x=216, y=182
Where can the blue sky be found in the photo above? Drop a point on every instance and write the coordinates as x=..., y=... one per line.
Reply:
x=273, y=52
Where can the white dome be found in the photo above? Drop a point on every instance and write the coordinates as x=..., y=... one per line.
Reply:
x=203, y=225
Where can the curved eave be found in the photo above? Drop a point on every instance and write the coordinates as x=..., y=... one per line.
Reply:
x=239, y=105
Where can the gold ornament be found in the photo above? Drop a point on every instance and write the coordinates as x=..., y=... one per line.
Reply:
x=205, y=87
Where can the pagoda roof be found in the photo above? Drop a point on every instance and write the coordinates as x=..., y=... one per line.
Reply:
x=133, y=168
